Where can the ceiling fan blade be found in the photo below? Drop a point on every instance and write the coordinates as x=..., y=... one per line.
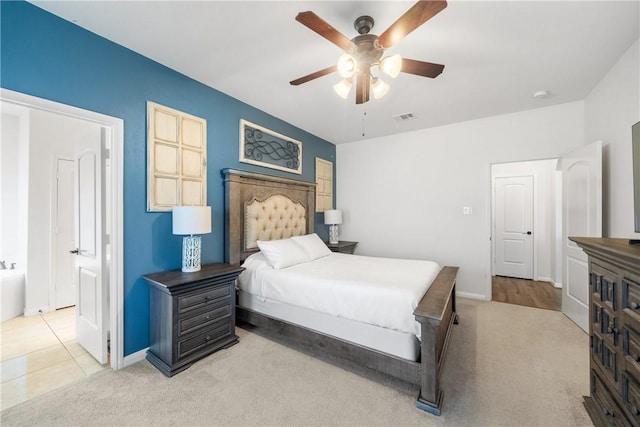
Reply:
x=317, y=24
x=363, y=86
x=315, y=75
x=420, y=13
x=421, y=68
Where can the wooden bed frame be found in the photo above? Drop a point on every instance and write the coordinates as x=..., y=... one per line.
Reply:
x=436, y=312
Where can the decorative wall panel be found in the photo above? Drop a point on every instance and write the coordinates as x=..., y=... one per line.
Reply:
x=177, y=158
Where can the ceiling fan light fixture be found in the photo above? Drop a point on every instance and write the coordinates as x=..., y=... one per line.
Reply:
x=346, y=66
x=342, y=88
x=391, y=65
x=379, y=88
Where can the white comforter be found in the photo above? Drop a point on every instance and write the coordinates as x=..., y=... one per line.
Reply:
x=378, y=291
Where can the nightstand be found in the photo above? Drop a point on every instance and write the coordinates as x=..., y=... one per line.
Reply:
x=191, y=315
x=343, y=247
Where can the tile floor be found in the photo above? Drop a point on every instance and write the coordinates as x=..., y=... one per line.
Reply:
x=39, y=354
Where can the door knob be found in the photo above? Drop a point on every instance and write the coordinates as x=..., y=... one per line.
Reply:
x=75, y=251
x=528, y=233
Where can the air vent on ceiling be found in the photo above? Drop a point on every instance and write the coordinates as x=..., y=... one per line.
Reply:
x=404, y=116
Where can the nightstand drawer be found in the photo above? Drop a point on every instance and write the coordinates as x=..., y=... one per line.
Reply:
x=201, y=299
x=210, y=336
x=190, y=324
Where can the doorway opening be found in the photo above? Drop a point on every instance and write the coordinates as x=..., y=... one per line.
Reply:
x=111, y=131
x=525, y=228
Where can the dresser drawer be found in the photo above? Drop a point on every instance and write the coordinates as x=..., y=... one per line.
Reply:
x=609, y=411
x=631, y=344
x=631, y=397
x=201, y=299
x=221, y=309
x=208, y=337
x=605, y=286
x=607, y=358
x=631, y=302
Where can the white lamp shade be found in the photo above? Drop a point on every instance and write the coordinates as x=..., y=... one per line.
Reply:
x=191, y=220
x=391, y=65
x=379, y=88
x=346, y=66
x=342, y=88
x=333, y=216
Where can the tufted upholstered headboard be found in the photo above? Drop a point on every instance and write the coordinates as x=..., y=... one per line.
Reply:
x=264, y=207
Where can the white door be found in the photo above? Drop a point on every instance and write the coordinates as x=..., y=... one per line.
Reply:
x=91, y=307
x=582, y=217
x=65, y=278
x=514, y=227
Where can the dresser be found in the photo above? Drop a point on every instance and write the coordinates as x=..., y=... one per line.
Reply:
x=614, y=316
x=343, y=247
x=191, y=315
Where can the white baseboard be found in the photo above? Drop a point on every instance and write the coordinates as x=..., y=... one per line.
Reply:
x=472, y=296
x=135, y=357
x=557, y=285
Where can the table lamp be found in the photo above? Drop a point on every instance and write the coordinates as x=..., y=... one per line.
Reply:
x=187, y=221
x=333, y=218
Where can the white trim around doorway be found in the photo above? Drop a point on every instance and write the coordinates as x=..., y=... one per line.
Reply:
x=116, y=277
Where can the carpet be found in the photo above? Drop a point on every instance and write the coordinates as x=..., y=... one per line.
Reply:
x=507, y=365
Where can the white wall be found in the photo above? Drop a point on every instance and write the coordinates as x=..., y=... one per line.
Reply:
x=544, y=212
x=611, y=108
x=50, y=135
x=403, y=195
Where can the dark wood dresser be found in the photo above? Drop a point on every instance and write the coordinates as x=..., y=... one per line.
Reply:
x=191, y=315
x=614, y=315
x=343, y=247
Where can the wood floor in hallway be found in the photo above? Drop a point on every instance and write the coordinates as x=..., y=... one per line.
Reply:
x=531, y=293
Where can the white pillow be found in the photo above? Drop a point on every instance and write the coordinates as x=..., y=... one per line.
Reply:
x=282, y=253
x=313, y=246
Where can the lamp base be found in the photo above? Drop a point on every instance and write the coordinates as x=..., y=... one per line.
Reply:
x=333, y=234
x=191, y=253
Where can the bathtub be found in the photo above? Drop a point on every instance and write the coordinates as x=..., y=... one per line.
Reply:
x=12, y=290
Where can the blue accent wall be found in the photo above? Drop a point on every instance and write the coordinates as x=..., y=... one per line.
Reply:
x=48, y=57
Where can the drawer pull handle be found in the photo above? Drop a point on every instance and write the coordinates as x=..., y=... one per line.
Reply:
x=635, y=305
x=208, y=338
x=636, y=358
x=612, y=330
x=607, y=413
x=635, y=411
x=208, y=317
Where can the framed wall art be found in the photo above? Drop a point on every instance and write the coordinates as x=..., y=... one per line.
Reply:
x=264, y=147
x=177, y=159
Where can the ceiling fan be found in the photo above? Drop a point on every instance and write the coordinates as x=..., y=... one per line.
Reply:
x=366, y=50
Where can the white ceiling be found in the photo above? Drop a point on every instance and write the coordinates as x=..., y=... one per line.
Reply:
x=496, y=55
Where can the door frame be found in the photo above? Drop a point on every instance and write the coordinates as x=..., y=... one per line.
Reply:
x=53, y=297
x=116, y=142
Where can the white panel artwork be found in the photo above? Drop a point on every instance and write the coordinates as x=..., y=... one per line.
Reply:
x=324, y=185
x=177, y=158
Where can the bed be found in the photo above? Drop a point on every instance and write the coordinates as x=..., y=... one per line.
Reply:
x=273, y=210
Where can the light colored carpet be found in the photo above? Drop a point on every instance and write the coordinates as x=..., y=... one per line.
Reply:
x=507, y=366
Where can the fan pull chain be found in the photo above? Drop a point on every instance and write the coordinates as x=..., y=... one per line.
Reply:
x=364, y=116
